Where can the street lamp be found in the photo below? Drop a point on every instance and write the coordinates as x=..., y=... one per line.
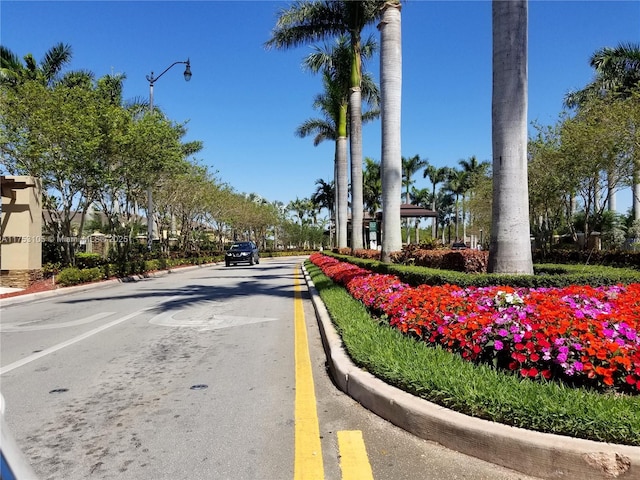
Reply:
x=151, y=79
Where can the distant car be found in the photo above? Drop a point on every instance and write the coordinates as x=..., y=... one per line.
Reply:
x=242, y=252
x=459, y=246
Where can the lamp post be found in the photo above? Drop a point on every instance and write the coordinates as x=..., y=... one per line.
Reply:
x=151, y=79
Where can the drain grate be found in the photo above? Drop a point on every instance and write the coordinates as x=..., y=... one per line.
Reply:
x=59, y=390
x=199, y=386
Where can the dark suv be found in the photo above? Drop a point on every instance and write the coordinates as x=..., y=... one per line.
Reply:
x=242, y=252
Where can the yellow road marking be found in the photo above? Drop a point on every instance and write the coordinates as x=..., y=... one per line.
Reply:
x=354, y=461
x=308, y=450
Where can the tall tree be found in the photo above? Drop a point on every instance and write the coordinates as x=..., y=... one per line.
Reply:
x=371, y=186
x=335, y=63
x=391, y=94
x=421, y=197
x=510, y=246
x=309, y=22
x=474, y=171
x=46, y=72
x=436, y=175
x=457, y=184
x=410, y=166
x=617, y=79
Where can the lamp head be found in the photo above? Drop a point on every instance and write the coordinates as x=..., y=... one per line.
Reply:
x=187, y=71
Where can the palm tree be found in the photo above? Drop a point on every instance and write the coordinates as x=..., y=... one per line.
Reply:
x=510, y=247
x=324, y=197
x=391, y=94
x=436, y=175
x=371, y=185
x=308, y=22
x=474, y=171
x=13, y=72
x=409, y=167
x=457, y=182
x=421, y=197
x=617, y=73
x=332, y=127
x=335, y=63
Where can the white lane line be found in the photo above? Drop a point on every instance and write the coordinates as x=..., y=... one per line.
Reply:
x=204, y=320
x=55, y=348
x=23, y=327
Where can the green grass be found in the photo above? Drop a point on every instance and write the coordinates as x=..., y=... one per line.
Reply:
x=480, y=391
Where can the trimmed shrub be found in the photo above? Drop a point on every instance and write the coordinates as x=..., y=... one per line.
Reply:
x=88, y=260
x=74, y=276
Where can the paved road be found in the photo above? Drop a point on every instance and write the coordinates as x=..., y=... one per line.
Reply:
x=193, y=376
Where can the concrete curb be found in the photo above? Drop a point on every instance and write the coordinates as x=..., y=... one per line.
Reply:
x=5, y=302
x=541, y=455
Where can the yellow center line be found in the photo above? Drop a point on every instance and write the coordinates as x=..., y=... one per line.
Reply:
x=308, y=450
x=354, y=461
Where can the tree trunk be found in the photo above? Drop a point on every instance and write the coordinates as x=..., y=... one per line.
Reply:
x=390, y=108
x=510, y=248
x=342, y=191
x=355, y=135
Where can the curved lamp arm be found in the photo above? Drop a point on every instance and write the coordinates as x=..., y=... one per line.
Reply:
x=187, y=72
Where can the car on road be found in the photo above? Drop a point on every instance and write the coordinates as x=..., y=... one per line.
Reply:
x=459, y=246
x=242, y=252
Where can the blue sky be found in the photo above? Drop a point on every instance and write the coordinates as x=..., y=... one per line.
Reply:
x=245, y=102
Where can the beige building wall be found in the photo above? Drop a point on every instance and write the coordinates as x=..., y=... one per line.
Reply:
x=21, y=247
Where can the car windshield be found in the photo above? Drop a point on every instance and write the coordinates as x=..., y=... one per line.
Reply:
x=241, y=246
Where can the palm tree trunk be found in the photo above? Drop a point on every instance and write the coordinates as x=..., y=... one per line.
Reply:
x=357, y=202
x=510, y=248
x=342, y=191
x=390, y=108
x=636, y=189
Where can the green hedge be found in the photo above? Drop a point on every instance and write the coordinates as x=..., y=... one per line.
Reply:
x=546, y=275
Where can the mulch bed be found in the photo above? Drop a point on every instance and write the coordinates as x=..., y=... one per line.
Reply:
x=39, y=286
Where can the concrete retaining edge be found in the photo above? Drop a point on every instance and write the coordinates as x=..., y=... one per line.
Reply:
x=541, y=455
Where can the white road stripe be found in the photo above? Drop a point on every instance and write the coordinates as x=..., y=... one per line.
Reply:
x=22, y=327
x=55, y=348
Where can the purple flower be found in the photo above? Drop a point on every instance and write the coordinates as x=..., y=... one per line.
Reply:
x=498, y=345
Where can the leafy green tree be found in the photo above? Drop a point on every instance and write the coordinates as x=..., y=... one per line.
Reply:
x=617, y=80
x=53, y=133
x=550, y=186
x=594, y=151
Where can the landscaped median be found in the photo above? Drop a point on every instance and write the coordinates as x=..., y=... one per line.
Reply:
x=563, y=361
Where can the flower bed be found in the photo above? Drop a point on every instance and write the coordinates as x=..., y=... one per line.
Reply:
x=582, y=335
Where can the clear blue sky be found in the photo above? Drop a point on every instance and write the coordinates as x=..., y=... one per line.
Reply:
x=245, y=102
